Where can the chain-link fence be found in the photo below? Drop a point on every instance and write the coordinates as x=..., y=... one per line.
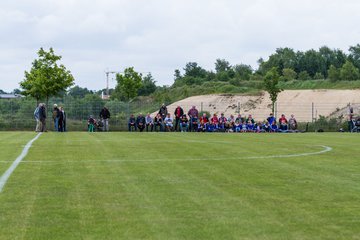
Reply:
x=18, y=114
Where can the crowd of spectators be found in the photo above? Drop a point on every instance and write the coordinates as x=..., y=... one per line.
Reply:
x=193, y=122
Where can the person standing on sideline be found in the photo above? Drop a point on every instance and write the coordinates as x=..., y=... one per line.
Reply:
x=62, y=111
x=350, y=119
x=56, y=117
x=179, y=112
x=61, y=120
x=193, y=114
x=42, y=117
x=163, y=111
x=37, y=118
x=104, y=116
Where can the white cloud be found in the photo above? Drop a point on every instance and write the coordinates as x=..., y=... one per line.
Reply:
x=161, y=36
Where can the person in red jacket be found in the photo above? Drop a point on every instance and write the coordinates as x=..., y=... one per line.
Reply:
x=204, y=121
x=178, y=114
x=283, y=123
x=215, y=121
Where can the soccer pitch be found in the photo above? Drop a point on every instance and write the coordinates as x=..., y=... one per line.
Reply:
x=181, y=186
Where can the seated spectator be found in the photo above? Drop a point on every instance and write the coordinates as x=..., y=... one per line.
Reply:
x=243, y=127
x=140, y=122
x=194, y=124
x=168, y=123
x=239, y=118
x=211, y=127
x=271, y=119
x=258, y=127
x=215, y=121
x=231, y=123
x=267, y=127
x=184, y=123
x=204, y=121
x=149, y=122
x=250, y=118
x=222, y=121
x=274, y=127
x=238, y=124
x=91, y=124
x=250, y=126
x=293, y=123
x=132, y=123
x=283, y=123
x=158, y=123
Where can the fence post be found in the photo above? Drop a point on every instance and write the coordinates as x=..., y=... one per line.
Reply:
x=201, y=109
x=312, y=112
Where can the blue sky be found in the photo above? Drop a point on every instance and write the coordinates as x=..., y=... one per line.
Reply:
x=159, y=36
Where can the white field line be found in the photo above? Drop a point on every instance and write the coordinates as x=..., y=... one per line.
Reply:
x=325, y=150
x=13, y=166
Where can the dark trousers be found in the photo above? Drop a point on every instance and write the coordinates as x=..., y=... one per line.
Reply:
x=132, y=127
x=177, y=120
x=151, y=127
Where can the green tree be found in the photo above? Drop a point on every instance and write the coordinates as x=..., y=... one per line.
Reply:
x=16, y=91
x=304, y=75
x=148, y=85
x=243, y=72
x=192, y=69
x=333, y=73
x=354, y=55
x=282, y=58
x=221, y=65
x=128, y=83
x=271, y=81
x=319, y=76
x=349, y=72
x=46, y=78
x=177, y=74
x=79, y=92
x=288, y=74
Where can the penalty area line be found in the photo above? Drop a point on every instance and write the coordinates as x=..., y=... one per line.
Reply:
x=17, y=161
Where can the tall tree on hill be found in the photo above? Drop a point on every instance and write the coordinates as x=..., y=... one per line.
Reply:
x=128, y=84
x=354, y=55
x=148, y=85
x=349, y=72
x=46, y=78
x=271, y=81
x=243, y=71
x=221, y=65
x=192, y=69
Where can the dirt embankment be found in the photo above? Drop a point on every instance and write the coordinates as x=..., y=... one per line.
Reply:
x=304, y=104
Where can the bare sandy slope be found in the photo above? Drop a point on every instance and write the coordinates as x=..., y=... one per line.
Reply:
x=304, y=104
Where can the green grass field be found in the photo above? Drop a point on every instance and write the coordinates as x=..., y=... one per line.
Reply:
x=181, y=186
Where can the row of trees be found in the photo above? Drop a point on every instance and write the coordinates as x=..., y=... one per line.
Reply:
x=326, y=63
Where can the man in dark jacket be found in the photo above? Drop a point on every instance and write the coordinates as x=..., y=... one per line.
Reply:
x=132, y=123
x=42, y=117
x=56, y=117
x=104, y=116
x=140, y=122
x=179, y=112
x=163, y=111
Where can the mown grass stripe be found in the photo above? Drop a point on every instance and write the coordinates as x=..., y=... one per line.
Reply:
x=13, y=166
